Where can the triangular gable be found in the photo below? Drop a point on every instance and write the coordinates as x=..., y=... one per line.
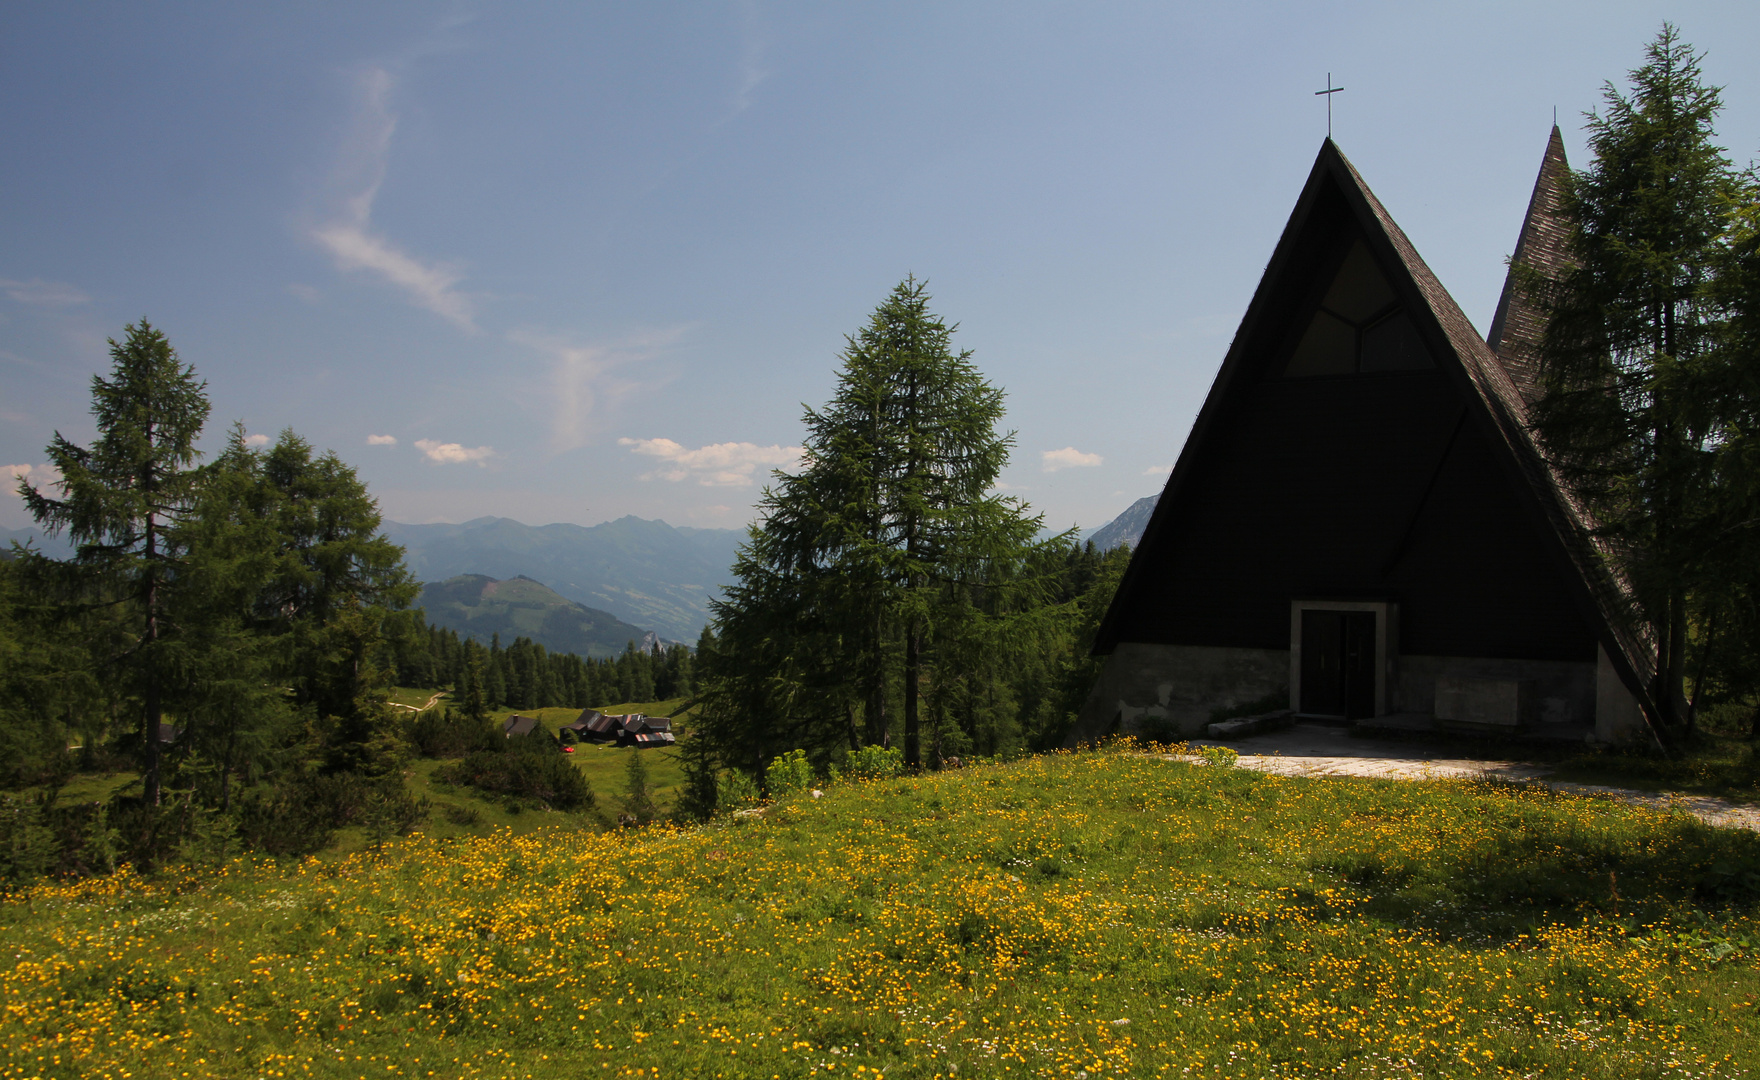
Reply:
x=1494, y=404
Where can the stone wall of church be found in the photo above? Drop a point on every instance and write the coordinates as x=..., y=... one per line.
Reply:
x=1553, y=693
x=1169, y=691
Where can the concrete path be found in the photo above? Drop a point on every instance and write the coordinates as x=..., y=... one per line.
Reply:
x=1319, y=750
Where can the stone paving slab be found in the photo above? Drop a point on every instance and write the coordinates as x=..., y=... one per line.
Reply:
x=1319, y=750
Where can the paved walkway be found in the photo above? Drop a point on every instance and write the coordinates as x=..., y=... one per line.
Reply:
x=1319, y=750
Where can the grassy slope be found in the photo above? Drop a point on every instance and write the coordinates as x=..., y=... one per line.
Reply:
x=1100, y=913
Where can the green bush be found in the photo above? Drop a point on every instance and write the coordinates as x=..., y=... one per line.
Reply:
x=872, y=763
x=547, y=777
x=442, y=733
x=789, y=773
x=736, y=791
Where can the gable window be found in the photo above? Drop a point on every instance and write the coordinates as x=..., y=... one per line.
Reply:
x=1360, y=326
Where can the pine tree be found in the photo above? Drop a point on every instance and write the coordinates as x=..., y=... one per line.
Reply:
x=121, y=505
x=1632, y=326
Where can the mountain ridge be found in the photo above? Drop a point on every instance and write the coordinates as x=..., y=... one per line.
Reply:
x=643, y=572
x=1126, y=528
x=479, y=607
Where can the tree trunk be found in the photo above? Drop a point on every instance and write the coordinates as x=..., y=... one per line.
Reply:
x=912, y=677
x=1677, y=659
x=876, y=705
x=153, y=707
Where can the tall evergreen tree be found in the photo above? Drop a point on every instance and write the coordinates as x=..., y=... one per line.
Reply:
x=874, y=562
x=121, y=504
x=1632, y=325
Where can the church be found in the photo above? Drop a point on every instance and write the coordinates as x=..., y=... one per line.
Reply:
x=1361, y=523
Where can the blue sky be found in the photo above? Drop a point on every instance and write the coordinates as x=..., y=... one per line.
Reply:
x=566, y=262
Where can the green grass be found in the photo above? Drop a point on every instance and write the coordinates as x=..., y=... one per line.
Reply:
x=1102, y=913
x=1724, y=765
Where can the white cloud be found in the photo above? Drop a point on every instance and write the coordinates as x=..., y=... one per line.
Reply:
x=39, y=293
x=729, y=464
x=382, y=440
x=1158, y=470
x=349, y=237
x=256, y=440
x=582, y=377
x=1068, y=458
x=453, y=453
x=39, y=476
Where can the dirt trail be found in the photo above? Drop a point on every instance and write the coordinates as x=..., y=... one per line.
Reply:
x=424, y=708
x=1318, y=750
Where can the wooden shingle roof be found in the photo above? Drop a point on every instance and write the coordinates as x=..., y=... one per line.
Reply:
x=1544, y=245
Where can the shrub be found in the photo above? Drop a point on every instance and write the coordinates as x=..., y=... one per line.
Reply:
x=442, y=733
x=547, y=777
x=873, y=763
x=789, y=773
x=736, y=791
x=1222, y=757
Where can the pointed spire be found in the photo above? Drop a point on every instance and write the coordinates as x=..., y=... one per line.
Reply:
x=1544, y=244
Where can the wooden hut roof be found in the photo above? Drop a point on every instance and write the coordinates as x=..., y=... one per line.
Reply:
x=1494, y=403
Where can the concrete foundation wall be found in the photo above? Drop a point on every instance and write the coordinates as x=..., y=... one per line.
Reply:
x=1170, y=690
x=1618, y=716
x=1551, y=691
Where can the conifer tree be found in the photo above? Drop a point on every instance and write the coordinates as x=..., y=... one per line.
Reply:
x=872, y=562
x=1632, y=324
x=121, y=505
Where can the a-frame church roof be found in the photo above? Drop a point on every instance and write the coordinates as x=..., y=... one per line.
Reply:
x=1334, y=201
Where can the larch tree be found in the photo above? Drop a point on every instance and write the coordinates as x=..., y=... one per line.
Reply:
x=879, y=563
x=1632, y=327
x=122, y=502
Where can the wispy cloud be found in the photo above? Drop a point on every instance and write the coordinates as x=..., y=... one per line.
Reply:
x=349, y=237
x=453, y=453
x=584, y=378
x=752, y=71
x=258, y=439
x=1068, y=458
x=381, y=440
x=39, y=293
x=1158, y=470
x=729, y=464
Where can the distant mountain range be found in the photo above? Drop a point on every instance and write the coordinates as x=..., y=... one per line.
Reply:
x=480, y=607
x=644, y=572
x=1126, y=528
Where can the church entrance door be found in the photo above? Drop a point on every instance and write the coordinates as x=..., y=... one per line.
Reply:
x=1338, y=664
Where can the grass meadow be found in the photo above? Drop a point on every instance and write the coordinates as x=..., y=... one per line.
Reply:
x=1103, y=914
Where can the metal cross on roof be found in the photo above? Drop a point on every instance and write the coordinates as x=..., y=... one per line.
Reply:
x=1327, y=93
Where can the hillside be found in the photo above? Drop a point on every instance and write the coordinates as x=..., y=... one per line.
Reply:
x=1126, y=528
x=1097, y=914
x=479, y=607
x=644, y=572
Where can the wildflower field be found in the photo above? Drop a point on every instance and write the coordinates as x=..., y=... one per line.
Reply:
x=1079, y=915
